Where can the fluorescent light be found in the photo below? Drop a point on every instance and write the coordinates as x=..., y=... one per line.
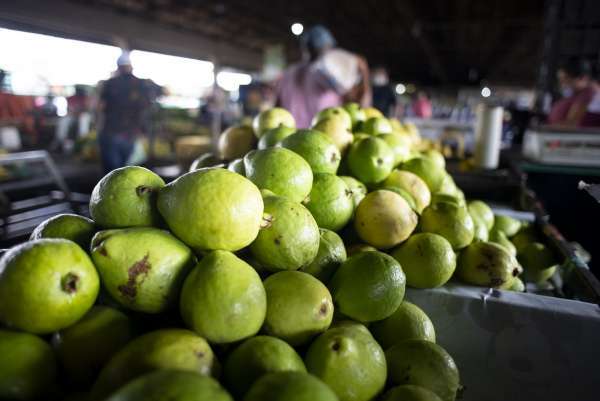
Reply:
x=400, y=89
x=231, y=81
x=486, y=92
x=297, y=28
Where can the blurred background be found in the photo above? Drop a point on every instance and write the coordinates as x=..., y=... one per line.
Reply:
x=203, y=66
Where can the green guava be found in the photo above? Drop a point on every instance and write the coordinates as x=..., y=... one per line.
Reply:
x=126, y=197
x=331, y=254
x=275, y=135
x=349, y=360
x=428, y=170
x=280, y=170
x=480, y=209
x=358, y=189
x=142, y=268
x=384, y=219
x=400, y=146
x=237, y=166
x=223, y=298
x=46, y=285
x=480, y=230
x=288, y=238
x=376, y=126
x=427, y=259
x=290, y=386
x=405, y=194
x=501, y=239
x=334, y=111
x=357, y=114
x=370, y=160
x=161, y=349
x=212, y=209
x=336, y=127
x=508, y=225
x=425, y=364
x=272, y=118
x=235, y=142
x=449, y=220
x=73, y=227
x=256, y=357
x=538, y=261
x=368, y=286
x=106, y=328
x=487, y=264
x=163, y=385
x=204, y=161
x=316, y=148
x=410, y=392
x=436, y=156
x=408, y=322
x=411, y=183
x=28, y=369
x=330, y=201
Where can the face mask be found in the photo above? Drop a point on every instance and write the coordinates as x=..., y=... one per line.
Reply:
x=379, y=79
x=566, y=91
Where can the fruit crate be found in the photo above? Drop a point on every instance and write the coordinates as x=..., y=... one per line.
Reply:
x=508, y=194
x=516, y=346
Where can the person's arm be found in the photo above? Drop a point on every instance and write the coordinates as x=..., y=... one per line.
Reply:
x=361, y=92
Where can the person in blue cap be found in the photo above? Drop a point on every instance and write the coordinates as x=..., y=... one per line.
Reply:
x=326, y=77
x=124, y=105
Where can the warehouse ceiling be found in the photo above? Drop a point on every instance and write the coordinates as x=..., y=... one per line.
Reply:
x=431, y=42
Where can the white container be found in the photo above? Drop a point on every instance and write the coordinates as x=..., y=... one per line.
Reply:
x=562, y=148
x=488, y=136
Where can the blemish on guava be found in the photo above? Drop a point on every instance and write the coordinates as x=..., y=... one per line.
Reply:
x=335, y=346
x=277, y=240
x=199, y=354
x=267, y=220
x=323, y=309
x=515, y=272
x=379, y=160
x=102, y=251
x=69, y=283
x=143, y=190
x=141, y=267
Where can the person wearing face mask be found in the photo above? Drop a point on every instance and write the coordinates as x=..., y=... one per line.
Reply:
x=326, y=77
x=384, y=98
x=592, y=114
x=577, y=89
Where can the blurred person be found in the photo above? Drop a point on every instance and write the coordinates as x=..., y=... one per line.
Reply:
x=591, y=117
x=577, y=90
x=326, y=77
x=422, y=105
x=384, y=97
x=124, y=105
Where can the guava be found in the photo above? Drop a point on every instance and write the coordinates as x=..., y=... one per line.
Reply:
x=176, y=349
x=274, y=135
x=334, y=111
x=298, y=307
x=384, y=219
x=442, y=197
x=28, y=368
x=316, y=148
x=488, y=265
x=330, y=201
x=427, y=259
x=256, y=357
x=288, y=238
x=142, y=268
x=408, y=322
x=290, y=386
x=480, y=209
x=204, y=161
x=237, y=166
x=370, y=160
x=357, y=114
x=223, y=298
x=480, y=231
x=371, y=112
x=349, y=360
x=526, y=235
x=411, y=183
x=517, y=285
x=73, y=227
x=501, y=239
x=448, y=186
x=425, y=364
x=280, y=170
x=436, y=156
x=358, y=248
x=358, y=189
x=427, y=170
x=410, y=392
x=368, y=286
x=400, y=146
x=449, y=220
x=538, y=261
x=508, y=225
x=376, y=126
x=331, y=254
x=126, y=197
x=272, y=118
x=212, y=209
x=46, y=285
x=336, y=128
x=235, y=142
x=85, y=347
x=404, y=194
x=173, y=385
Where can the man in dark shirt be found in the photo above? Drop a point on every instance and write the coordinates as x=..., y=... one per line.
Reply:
x=384, y=98
x=125, y=101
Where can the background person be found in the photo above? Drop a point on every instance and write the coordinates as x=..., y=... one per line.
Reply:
x=384, y=97
x=326, y=77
